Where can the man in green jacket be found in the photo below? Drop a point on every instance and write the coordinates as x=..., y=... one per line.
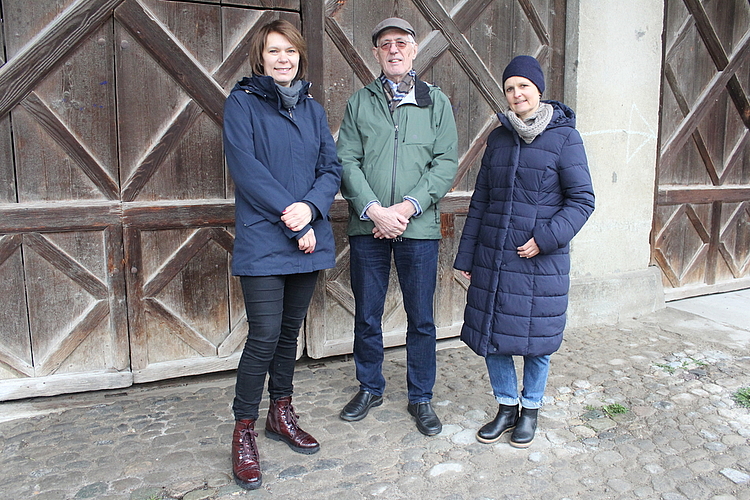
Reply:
x=398, y=147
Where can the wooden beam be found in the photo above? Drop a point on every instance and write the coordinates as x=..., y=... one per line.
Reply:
x=33, y=63
x=678, y=195
x=175, y=214
x=58, y=216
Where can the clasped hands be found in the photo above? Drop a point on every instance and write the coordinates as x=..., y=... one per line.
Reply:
x=390, y=222
x=296, y=216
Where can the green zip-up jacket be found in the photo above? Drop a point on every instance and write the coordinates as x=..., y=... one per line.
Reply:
x=410, y=154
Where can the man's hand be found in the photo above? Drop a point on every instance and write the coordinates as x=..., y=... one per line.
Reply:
x=296, y=216
x=389, y=222
x=307, y=242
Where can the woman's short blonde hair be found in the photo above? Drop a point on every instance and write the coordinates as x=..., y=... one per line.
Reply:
x=258, y=44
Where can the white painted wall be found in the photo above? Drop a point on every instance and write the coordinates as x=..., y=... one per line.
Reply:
x=613, y=79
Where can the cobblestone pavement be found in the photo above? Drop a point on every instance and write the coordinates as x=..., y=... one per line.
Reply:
x=680, y=435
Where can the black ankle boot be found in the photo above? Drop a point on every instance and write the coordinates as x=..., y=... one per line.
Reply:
x=505, y=420
x=523, y=434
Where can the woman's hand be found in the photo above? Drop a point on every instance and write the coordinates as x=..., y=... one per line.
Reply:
x=296, y=216
x=528, y=250
x=466, y=274
x=307, y=242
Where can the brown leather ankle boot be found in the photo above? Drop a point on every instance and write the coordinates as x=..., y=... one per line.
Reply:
x=281, y=425
x=245, y=465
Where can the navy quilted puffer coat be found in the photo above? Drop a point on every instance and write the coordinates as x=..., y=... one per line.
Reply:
x=516, y=305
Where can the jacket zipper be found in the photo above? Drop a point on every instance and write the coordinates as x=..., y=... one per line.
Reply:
x=395, y=157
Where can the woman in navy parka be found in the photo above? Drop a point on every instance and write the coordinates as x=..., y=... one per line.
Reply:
x=533, y=194
x=283, y=161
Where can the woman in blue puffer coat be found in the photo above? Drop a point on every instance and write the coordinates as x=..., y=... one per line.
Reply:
x=533, y=194
x=286, y=172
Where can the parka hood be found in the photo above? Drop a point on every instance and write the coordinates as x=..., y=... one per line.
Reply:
x=265, y=87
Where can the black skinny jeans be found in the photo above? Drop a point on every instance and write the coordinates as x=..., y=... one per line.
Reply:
x=276, y=307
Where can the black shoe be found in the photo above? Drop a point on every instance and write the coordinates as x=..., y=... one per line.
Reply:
x=523, y=434
x=505, y=420
x=427, y=422
x=357, y=408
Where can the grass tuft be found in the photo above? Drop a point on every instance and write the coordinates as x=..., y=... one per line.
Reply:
x=742, y=397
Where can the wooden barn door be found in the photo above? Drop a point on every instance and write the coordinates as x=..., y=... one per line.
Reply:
x=463, y=48
x=701, y=235
x=177, y=61
x=116, y=212
x=63, y=317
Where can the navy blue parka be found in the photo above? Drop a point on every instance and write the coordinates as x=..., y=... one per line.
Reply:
x=278, y=157
x=515, y=305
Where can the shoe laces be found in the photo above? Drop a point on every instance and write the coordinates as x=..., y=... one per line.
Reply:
x=248, y=448
x=291, y=416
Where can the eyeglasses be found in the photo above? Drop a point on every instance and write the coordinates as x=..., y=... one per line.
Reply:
x=400, y=44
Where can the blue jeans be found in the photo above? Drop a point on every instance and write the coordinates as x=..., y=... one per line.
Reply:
x=416, y=263
x=502, y=373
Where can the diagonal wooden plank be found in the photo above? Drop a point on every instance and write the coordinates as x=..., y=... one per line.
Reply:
x=71, y=145
x=234, y=340
x=342, y=42
x=342, y=295
x=160, y=150
x=52, y=45
x=66, y=264
x=69, y=342
x=223, y=238
x=735, y=156
x=238, y=55
x=177, y=262
x=173, y=57
x=700, y=144
x=701, y=107
x=475, y=150
x=184, y=331
x=536, y=22
x=8, y=245
x=15, y=363
x=433, y=45
x=464, y=53
x=165, y=144
x=719, y=57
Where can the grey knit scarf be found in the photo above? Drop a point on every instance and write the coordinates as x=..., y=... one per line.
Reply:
x=531, y=127
x=289, y=95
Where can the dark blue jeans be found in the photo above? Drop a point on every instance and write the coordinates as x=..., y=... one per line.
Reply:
x=276, y=307
x=416, y=264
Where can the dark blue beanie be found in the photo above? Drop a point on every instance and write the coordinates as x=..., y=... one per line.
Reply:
x=526, y=67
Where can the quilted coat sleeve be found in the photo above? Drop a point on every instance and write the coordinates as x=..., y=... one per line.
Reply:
x=578, y=197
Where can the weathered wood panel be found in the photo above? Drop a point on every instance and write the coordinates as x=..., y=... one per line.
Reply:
x=700, y=241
